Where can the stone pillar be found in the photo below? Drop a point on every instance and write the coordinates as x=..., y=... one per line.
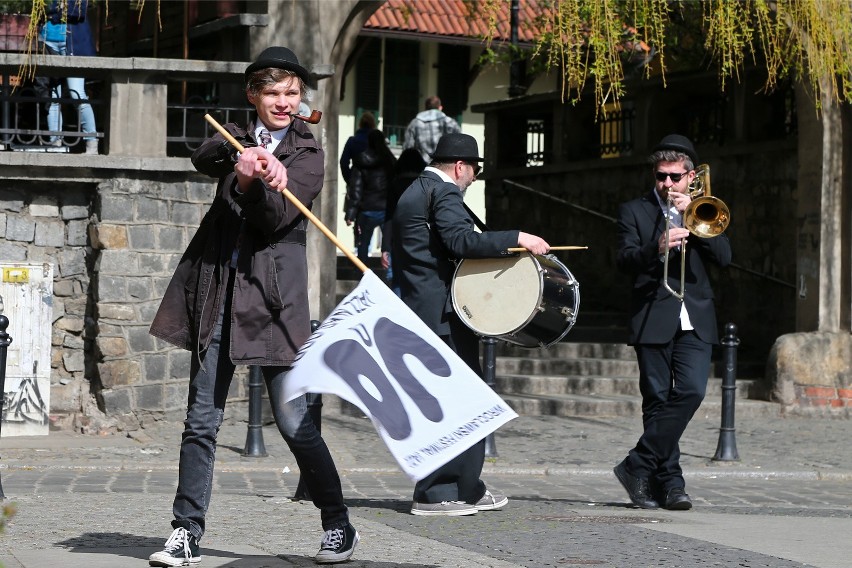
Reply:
x=137, y=116
x=810, y=370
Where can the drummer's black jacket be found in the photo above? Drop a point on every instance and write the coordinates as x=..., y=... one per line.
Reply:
x=431, y=230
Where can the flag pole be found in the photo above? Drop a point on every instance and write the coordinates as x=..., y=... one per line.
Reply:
x=295, y=201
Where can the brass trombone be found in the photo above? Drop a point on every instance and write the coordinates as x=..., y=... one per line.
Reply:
x=705, y=217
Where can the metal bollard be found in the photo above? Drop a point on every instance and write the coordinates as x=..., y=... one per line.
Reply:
x=314, y=402
x=5, y=341
x=726, y=450
x=489, y=365
x=254, y=437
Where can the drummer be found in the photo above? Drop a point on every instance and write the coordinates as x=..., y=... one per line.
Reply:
x=431, y=227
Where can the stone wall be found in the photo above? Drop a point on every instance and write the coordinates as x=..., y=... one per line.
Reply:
x=142, y=229
x=114, y=245
x=45, y=222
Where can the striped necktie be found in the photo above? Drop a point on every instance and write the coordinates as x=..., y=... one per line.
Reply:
x=265, y=138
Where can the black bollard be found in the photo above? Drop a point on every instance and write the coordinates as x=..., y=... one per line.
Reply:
x=5, y=341
x=314, y=403
x=489, y=365
x=254, y=437
x=727, y=448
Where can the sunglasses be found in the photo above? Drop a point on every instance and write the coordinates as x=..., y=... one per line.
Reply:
x=661, y=176
x=477, y=169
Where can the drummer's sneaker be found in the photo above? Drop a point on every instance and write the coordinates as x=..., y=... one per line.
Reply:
x=180, y=550
x=491, y=501
x=337, y=545
x=444, y=508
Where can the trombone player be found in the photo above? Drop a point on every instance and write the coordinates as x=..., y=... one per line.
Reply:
x=673, y=320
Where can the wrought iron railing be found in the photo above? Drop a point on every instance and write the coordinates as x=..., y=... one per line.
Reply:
x=23, y=119
x=187, y=127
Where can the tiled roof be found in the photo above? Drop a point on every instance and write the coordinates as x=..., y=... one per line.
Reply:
x=452, y=18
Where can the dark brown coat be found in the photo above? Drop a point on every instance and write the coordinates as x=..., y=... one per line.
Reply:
x=270, y=315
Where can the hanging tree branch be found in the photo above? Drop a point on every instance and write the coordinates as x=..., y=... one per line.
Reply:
x=806, y=40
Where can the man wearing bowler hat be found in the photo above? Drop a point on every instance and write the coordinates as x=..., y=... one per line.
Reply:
x=673, y=339
x=431, y=228
x=239, y=296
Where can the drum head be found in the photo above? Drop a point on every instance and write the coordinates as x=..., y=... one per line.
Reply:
x=497, y=296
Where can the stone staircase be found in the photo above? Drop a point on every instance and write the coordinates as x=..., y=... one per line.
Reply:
x=590, y=379
x=594, y=374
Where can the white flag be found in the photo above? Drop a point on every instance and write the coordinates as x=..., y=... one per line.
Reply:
x=426, y=403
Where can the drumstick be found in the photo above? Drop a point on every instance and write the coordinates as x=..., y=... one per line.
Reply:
x=522, y=249
x=295, y=201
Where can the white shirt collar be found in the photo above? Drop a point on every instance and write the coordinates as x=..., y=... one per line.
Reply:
x=441, y=174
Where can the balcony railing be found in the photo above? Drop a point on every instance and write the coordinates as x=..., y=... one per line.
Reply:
x=143, y=107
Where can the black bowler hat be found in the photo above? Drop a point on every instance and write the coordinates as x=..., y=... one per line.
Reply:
x=457, y=146
x=280, y=58
x=678, y=143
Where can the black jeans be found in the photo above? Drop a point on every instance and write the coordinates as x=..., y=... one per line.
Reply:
x=208, y=391
x=673, y=381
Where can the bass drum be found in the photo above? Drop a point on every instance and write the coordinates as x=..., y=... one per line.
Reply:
x=527, y=300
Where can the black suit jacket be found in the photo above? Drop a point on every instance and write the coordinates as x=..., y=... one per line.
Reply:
x=431, y=229
x=655, y=313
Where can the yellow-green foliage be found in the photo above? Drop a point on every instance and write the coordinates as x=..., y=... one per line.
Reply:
x=805, y=40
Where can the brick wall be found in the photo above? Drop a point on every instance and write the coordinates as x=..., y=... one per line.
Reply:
x=824, y=397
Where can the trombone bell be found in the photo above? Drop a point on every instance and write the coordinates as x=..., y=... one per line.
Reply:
x=706, y=217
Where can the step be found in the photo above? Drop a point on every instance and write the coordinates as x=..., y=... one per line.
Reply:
x=585, y=406
x=596, y=386
x=587, y=366
x=572, y=350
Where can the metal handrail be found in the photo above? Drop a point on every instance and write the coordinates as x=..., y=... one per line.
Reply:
x=614, y=220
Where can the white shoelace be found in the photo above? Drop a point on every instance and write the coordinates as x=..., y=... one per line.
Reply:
x=332, y=539
x=178, y=540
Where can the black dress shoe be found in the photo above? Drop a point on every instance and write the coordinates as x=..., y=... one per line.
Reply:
x=637, y=487
x=677, y=500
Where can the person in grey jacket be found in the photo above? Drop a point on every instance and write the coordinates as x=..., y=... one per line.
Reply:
x=239, y=295
x=431, y=229
x=427, y=128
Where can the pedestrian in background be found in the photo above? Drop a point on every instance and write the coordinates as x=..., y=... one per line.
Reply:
x=240, y=296
x=367, y=192
x=408, y=168
x=431, y=230
x=427, y=128
x=673, y=339
x=356, y=144
x=68, y=34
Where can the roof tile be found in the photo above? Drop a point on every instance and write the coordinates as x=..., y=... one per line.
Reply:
x=452, y=18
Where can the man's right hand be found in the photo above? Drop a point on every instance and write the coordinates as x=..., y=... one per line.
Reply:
x=532, y=243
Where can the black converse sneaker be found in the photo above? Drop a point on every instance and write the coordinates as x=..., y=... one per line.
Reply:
x=337, y=545
x=181, y=550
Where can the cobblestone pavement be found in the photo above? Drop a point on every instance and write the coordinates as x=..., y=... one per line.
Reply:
x=106, y=501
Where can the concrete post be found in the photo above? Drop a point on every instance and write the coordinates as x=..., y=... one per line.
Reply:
x=137, y=116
